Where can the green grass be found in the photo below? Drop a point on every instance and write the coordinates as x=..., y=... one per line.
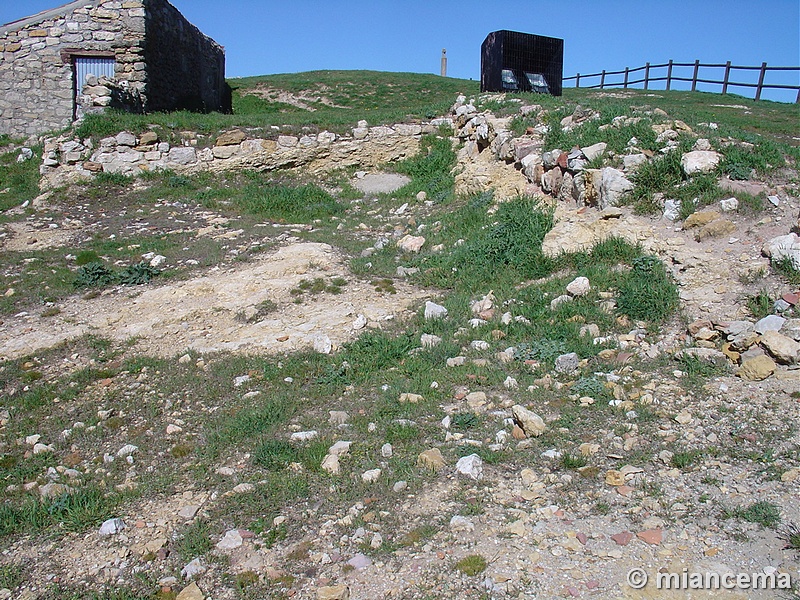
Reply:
x=194, y=541
x=763, y=512
x=19, y=182
x=648, y=293
x=761, y=304
x=74, y=511
x=472, y=565
x=379, y=97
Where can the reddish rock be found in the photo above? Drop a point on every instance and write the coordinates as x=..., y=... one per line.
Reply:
x=593, y=584
x=517, y=433
x=623, y=538
x=791, y=298
x=698, y=325
x=562, y=160
x=582, y=538
x=571, y=591
x=651, y=536
x=624, y=490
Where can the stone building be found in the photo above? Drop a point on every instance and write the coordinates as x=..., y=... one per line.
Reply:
x=139, y=55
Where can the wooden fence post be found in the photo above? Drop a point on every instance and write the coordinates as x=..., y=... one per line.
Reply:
x=625, y=85
x=603, y=79
x=761, y=80
x=578, y=80
x=646, y=75
x=669, y=74
x=694, y=77
x=726, y=78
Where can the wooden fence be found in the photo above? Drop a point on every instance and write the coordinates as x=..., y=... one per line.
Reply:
x=647, y=78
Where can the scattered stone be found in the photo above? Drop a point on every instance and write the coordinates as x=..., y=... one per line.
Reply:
x=191, y=592
x=371, y=476
x=434, y=311
x=303, y=436
x=194, y=569
x=783, y=349
x=400, y=486
x=769, y=323
x=322, y=344
x=651, y=536
x=431, y=459
x=333, y=592
x=729, y=204
x=410, y=398
x=470, y=466
x=567, y=363
x=188, y=512
x=701, y=218
x=359, y=561
x=459, y=523
x=700, y=161
x=230, y=541
x=531, y=424
x=386, y=451
x=111, y=527
x=411, y=243
x=579, y=286
x=127, y=450
x=623, y=538
x=757, y=368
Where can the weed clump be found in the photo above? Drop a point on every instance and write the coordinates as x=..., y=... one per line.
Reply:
x=648, y=293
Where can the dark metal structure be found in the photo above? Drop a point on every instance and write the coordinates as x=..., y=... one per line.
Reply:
x=521, y=62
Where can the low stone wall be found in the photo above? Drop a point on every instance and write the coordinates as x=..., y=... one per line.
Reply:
x=67, y=160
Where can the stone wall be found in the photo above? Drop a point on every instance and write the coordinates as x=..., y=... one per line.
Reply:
x=186, y=69
x=68, y=160
x=162, y=62
x=37, y=91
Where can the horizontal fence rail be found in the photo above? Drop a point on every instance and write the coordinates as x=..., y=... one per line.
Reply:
x=632, y=77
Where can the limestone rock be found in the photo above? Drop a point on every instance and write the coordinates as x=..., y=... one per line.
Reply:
x=333, y=592
x=783, y=349
x=111, y=527
x=434, y=311
x=231, y=138
x=700, y=161
x=579, y=286
x=532, y=424
x=757, y=369
x=411, y=243
x=410, y=398
x=784, y=247
x=595, y=150
x=701, y=218
x=567, y=363
x=714, y=229
x=470, y=466
x=769, y=323
x=191, y=592
x=431, y=459
x=613, y=185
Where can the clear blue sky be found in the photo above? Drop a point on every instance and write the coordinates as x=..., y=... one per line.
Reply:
x=280, y=36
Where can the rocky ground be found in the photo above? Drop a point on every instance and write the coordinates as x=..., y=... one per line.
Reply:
x=484, y=477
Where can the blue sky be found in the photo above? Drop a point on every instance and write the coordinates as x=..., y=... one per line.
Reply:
x=279, y=36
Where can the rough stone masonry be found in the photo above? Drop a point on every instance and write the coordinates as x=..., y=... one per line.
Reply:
x=160, y=60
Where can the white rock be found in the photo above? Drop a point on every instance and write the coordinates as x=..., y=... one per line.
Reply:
x=331, y=464
x=32, y=440
x=429, y=341
x=340, y=448
x=411, y=243
x=42, y=449
x=700, y=161
x=386, y=451
x=371, y=476
x=111, y=527
x=470, y=466
x=303, y=436
x=231, y=540
x=360, y=322
x=459, y=523
x=729, y=204
x=531, y=423
x=126, y=450
x=479, y=345
x=323, y=344
x=784, y=247
x=434, y=311
x=595, y=150
x=510, y=383
x=158, y=260
x=193, y=569
x=579, y=286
